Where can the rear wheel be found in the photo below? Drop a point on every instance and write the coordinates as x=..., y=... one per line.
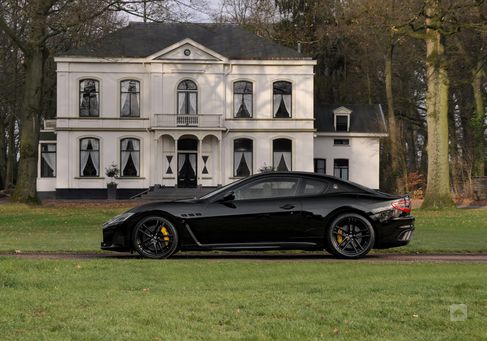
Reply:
x=350, y=235
x=155, y=237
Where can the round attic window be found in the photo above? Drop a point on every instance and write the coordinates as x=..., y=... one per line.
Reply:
x=187, y=52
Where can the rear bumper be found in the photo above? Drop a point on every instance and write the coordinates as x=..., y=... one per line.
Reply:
x=395, y=232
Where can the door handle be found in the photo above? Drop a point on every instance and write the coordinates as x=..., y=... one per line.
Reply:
x=288, y=207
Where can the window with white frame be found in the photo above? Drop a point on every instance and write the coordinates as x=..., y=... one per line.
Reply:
x=89, y=98
x=282, y=154
x=341, y=122
x=187, y=100
x=282, y=99
x=242, y=157
x=130, y=98
x=320, y=166
x=242, y=99
x=89, y=157
x=130, y=157
x=48, y=160
x=341, y=168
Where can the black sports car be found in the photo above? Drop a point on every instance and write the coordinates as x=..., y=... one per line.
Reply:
x=276, y=210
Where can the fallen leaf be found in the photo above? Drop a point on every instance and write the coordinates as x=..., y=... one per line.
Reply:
x=336, y=331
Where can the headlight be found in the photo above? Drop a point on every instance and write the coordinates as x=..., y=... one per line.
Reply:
x=118, y=219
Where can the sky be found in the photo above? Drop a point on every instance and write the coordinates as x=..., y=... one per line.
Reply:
x=197, y=12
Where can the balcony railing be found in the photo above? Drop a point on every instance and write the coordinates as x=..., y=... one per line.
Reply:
x=173, y=121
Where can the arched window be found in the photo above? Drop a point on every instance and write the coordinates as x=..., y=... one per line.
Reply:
x=282, y=154
x=242, y=157
x=282, y=97
x=130, y=98
x=89, y=157
x=187, y=98
x=89, y=98
x=242, y=99
x=130, y=157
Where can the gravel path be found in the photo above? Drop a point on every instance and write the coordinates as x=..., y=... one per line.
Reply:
x=262, y=256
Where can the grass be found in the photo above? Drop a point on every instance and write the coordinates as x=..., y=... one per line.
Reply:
x=78, y=228
x=210, y=300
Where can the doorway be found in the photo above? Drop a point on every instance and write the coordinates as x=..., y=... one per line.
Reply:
x=187, y=163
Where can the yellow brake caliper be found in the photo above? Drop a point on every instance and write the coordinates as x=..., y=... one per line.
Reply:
x=340, y=236
x=165, y=235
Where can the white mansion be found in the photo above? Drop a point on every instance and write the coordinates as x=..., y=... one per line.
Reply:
x=191, y=105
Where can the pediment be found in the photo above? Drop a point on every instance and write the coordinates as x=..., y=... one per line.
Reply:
x=342, y=111
x=188, y=50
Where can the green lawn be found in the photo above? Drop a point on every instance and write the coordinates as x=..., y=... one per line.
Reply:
x=244, y=299
x=79, y=229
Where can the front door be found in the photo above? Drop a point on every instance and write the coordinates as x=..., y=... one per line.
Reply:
x=187, y=170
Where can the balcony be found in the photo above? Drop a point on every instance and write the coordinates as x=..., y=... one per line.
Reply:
x=183, y=121
x=49, y=124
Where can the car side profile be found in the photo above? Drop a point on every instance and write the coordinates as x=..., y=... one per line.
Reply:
x=268, y=211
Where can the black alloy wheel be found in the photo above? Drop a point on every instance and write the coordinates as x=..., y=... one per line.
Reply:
x=155, y=237
x=350, y=236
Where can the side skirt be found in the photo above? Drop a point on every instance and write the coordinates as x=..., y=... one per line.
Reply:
x=251, y=246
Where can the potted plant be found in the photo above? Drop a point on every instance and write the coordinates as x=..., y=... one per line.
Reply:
x=266, y=168
x=112, y=172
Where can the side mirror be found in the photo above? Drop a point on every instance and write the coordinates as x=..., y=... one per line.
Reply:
x=229, y=196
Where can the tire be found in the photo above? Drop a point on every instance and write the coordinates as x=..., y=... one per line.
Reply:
x=155, y=237
x=350, y=236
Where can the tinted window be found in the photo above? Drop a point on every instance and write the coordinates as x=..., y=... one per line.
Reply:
x=313, y=187
x=268, y=188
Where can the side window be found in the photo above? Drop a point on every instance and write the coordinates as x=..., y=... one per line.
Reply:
x=314, y=187
x=268, y=188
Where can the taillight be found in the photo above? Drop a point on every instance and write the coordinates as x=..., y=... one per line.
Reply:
x=403, y=205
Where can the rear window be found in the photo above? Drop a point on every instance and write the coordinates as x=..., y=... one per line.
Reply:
x=314, y=187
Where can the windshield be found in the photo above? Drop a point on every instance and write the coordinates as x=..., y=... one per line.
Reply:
x=220, y=190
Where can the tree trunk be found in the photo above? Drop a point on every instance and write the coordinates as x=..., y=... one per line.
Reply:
x=478, y=123
x=438, y=194
x=3, y=155
x=25, y=190
x=11, y=155
x=398, y=163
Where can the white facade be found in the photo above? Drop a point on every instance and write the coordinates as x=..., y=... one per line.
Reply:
x=362, y=153
x=160, y=127
x=162, y=134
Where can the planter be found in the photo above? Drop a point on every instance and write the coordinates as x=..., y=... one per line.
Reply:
x=112, y=191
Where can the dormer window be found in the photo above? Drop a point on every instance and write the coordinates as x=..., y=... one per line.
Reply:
x=341, y=123
x=342, y=119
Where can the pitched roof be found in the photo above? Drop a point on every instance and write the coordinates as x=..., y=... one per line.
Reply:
x=139, y=40
x=365, y=118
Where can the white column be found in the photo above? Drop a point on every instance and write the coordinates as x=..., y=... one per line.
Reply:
x=154, y=156
x=176, y=161
x=199, y=169
x=219, y=164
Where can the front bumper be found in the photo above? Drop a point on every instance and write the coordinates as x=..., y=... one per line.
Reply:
x=394, y=232
x=115, y=238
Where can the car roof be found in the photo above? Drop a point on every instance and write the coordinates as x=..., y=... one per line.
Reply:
x=314, y=175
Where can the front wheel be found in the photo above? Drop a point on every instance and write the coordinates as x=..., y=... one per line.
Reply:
x=350, y=236
x=155, y=237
